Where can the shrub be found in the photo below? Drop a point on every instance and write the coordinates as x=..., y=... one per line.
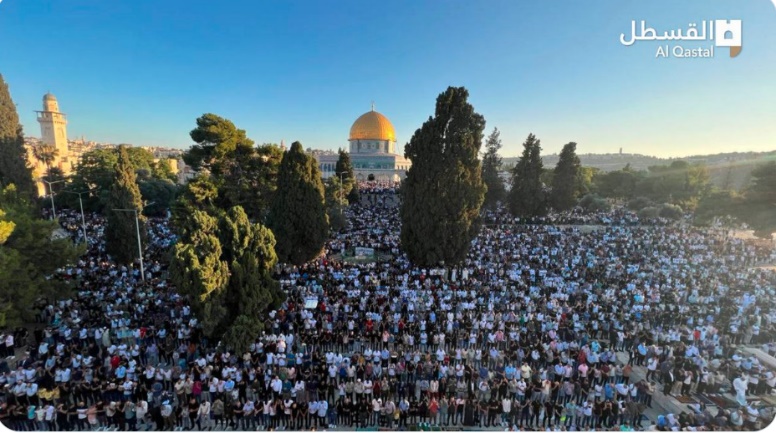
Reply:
x=650, y=212
x=639, y=203
x=671, y=211
x=593, y=203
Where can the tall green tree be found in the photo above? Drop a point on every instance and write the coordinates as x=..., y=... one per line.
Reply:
x=96, y=169
x=759, y=206
x=527, y=198
x=444, y=191
x=298, y=212
x=336, y=193
x=29, y=256
x=121, y=230
x=14, y=167
x=344, y=169
x=197, y=268
x=246, y=175
x=251, y=292
x=215, y=139
x=223, y=263
x=565, y=181
x=491, y=167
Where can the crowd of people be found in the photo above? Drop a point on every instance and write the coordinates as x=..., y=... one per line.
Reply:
x=544, y=326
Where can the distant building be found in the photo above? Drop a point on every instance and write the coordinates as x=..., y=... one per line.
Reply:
x=372, y=149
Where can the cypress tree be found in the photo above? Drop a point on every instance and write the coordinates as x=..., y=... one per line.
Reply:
x=443, y=191
x=298, y=211
x=565, y=182
x=527, y=197
x=14, y=168
x=121, y=230
x=345, y=167
x=251, y=291
x=491, y=166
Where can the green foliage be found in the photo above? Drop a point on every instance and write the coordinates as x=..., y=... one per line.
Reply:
x=592, y=203
x=163, y=171
x=196, y=267
x=671, y=211
x=618, y=184
x=639, y=203
x=161, y=192
x=96, y=169
x=337, y=195
x=759, y=204
x=121, y=230
x=28, y=256
x=345, y=168
x=650, y=212
x=247, y=177
x=444, y=191
x=491, y=167
x=223, y=265
x=14, y=168
x=722, y=204
x=216, y=138
x=565, y=181
x=298, y=211
x=527, y=197
x=585, y=179
x=678, y=183
x=244, y=175
x=45, y=153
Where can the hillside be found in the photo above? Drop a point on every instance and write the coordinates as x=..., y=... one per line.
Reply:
x=727, y=170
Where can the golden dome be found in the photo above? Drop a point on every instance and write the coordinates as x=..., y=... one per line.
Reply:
x=372, y=126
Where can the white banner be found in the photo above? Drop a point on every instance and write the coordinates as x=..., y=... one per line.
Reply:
x=365, y=252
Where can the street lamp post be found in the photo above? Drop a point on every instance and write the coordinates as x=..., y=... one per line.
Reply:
x=139, y=244
x=83, y=217
x=51, y=191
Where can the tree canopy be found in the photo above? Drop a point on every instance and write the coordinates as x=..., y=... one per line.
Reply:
x=491, y=167
x=215, y=138
x=245, y=175
x=29, y=257
x=444, y=191
x=759, y=205
x=527, y=198
x=96, y=170
x=344, y=169
x=120, y=229
x=222, y=263
x=298, y=211
x=14, y=168
x=566, y=180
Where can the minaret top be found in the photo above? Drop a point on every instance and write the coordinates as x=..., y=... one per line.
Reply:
x=50, y=103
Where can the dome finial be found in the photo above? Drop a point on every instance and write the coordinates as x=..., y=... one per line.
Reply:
x=373, y=105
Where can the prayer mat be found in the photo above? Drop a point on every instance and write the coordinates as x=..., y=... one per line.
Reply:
x=685, y=399
x=705, y=399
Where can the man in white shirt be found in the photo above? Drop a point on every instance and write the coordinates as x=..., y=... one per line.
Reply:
x=323, y=408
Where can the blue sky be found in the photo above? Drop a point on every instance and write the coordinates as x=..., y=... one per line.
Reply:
x=142, y=71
